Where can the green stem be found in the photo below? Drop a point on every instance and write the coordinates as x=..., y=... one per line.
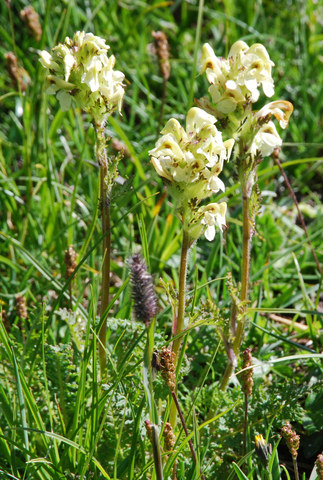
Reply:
x=179, y=321
x=157, y=455
x=226, y=376
x=106, y=242
x=148, y=383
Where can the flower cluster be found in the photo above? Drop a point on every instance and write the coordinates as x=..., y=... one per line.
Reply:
x=235, y=80
x=190, y=160
x=80, y=69
x=235, y=83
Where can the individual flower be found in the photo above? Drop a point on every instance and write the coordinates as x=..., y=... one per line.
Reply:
x=80, y=69
x=262, y=449
x=191, y=159
x=266, y=140
x=281, y=109
x=213, y=216
x=235, y=80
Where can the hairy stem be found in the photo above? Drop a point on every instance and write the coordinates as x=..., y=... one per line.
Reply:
x=181, y=296
x=238, y=327
x=178, y=325
x=106, y=241
x=245, y=263
x=105, y=284
x=226, y=376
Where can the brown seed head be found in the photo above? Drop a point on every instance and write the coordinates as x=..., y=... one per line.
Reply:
x=21, y=306
x=120, y=146
x=149, y=429
x=19, y=76
x=319, y=466
x=31, y=18
x=169, y=437
x=292, y=440
x=167, y=367
x=246, y=376
x=162, y=51
x=70, y=261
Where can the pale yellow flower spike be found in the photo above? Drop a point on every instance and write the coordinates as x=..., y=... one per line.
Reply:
x=80, y=70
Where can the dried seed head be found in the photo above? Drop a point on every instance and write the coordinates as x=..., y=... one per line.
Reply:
x=319, y=466
x=18, y=75
x=149, y=429
x=169, y=437
x=246, y=376
x=21, y=305
x=4, y=318
x=70, y=261
x=292, y=440
x=145, y=302
x=120, y=146
x=31, y=18
x=167, y=367
x=162, y=51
